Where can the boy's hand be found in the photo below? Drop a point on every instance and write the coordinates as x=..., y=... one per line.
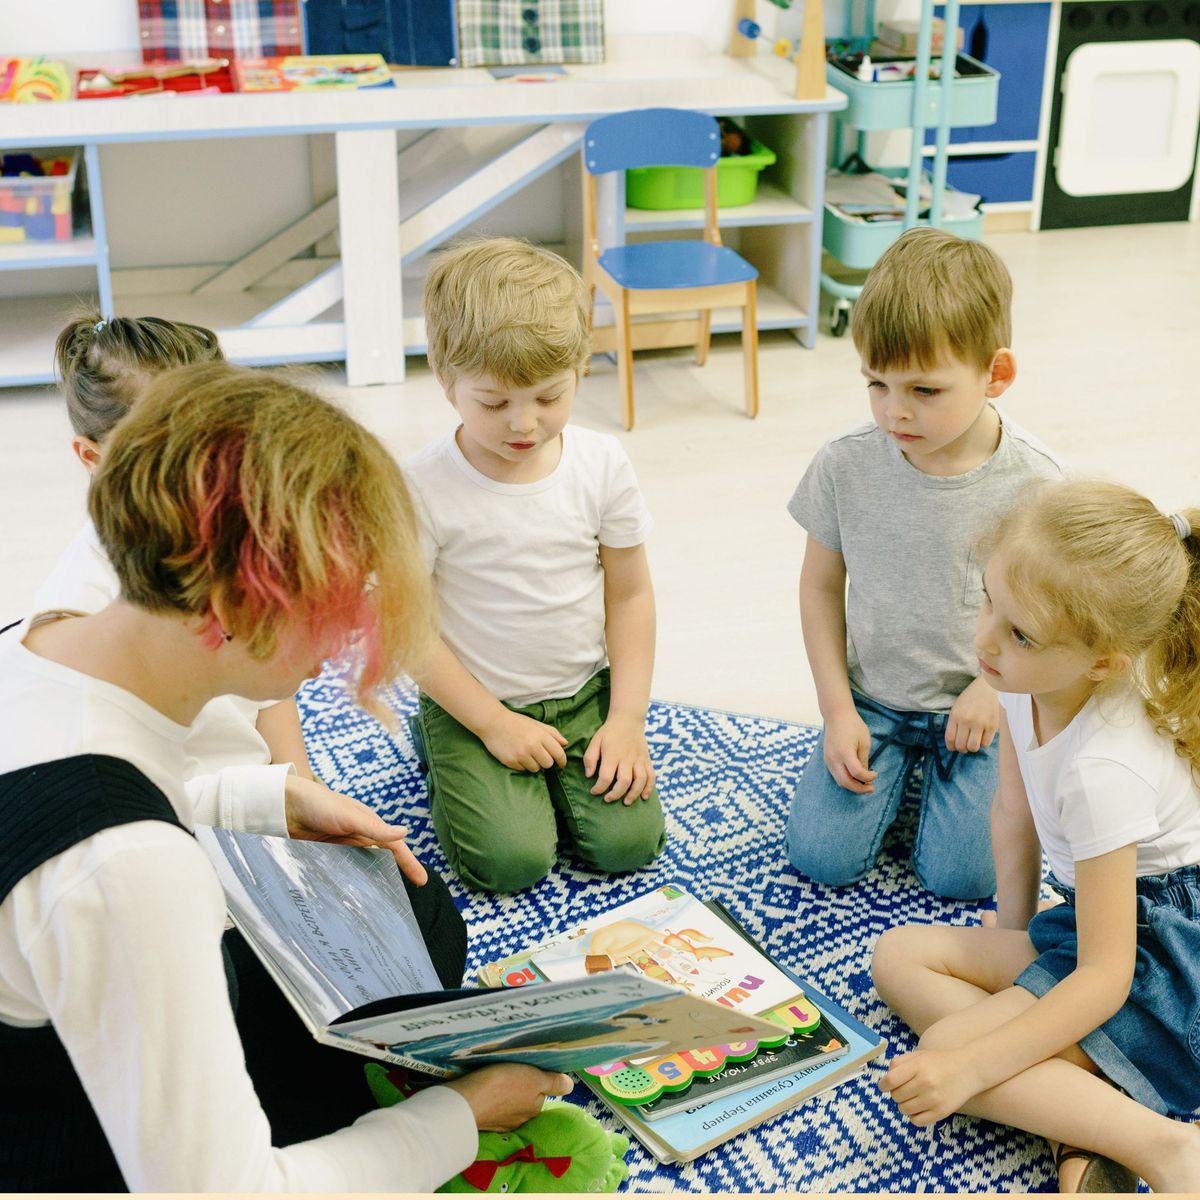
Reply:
x=928, y=1085
x=523, y=744
x=847, y=751
x=620, y=759
x=508, y=1094
x=974, y=717
x=315, y=813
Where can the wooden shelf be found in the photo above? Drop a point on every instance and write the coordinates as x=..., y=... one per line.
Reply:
x=770, y=206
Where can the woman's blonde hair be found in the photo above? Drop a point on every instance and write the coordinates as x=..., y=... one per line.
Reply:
x=241, y=488
x=1099, y=564
x=105, y=365
x=931, y=292
x=506, y=309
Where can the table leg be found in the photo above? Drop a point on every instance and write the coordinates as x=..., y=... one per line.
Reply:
x=369, y=223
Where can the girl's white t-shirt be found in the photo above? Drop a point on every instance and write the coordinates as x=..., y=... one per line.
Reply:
x=516, y=566
x=1103, y=782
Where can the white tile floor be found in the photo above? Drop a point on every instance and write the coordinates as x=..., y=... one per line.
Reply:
x=1106, y=340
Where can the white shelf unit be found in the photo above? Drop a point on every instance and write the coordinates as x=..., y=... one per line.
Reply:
x=30, y=324
x=480, y=141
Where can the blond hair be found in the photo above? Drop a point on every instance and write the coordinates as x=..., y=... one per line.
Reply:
x=931, y=293
x=104, y=365
x=506, y=309
x=238, y=486
x=1099, y=564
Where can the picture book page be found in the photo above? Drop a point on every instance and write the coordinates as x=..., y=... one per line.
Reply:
x=670, y=936
x=335, y=921
x=558, y=1026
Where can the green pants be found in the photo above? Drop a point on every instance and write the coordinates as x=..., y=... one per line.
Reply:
x=499, y=828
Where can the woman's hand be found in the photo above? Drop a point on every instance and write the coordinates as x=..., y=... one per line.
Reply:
x=316, y=813
x=508, y=1094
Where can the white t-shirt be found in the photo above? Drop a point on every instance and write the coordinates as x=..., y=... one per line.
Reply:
x=1103, y=782
x=516, y=565
x=228, y=764
x=117, y=941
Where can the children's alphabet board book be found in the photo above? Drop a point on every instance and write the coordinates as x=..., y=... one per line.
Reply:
x=682, y=1104
x=334, y=927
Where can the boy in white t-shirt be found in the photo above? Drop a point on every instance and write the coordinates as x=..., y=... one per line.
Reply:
x=533, y=708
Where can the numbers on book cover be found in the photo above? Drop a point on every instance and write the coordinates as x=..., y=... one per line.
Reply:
x=640, y=1083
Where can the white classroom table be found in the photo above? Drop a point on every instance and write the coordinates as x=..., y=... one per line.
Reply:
x=643, y=71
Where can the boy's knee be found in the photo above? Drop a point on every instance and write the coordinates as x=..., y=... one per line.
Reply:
x=820, y=861
x=511, y=869
x=964, y=877
x=625, y=846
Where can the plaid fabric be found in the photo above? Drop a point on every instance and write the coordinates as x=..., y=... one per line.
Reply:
x=512, y=32
x=172, y=30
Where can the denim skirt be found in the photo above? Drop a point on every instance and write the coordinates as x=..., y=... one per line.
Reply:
x=1151, y=1047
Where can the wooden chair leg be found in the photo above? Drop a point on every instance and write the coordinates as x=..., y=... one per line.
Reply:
x=750, y=350
x=624, y=358
x=704, y=337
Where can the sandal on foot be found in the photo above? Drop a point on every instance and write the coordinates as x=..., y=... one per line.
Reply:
x=1100, y=1174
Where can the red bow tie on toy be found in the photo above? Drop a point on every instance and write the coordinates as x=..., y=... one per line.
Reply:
x=481, y=1172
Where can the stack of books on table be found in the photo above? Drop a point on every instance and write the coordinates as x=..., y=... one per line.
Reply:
x=683, y=1104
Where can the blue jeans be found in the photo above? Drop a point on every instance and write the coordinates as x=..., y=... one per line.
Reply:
x=834, y=835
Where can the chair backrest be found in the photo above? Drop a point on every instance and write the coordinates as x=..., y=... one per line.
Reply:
x=651, y=137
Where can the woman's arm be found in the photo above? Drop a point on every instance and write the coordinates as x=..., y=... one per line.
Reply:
x=1015, y=847
x=128, y=958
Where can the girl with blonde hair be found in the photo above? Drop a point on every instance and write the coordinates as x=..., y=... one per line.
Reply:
x=1090, y=632
x=255, y=530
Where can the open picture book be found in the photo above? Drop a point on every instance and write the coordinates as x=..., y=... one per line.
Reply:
x=680, y=1105
x=334, y=927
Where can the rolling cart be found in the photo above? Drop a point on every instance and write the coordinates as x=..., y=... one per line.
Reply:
x=967, y=97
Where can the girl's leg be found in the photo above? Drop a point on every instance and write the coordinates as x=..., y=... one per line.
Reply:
x=1064, y=1100
x=926, y=972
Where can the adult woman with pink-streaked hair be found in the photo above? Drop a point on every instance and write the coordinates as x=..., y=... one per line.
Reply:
x=255, y=530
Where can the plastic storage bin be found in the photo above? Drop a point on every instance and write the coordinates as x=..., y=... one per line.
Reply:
x=37, y=208
x=888, y=105
x=683, y=187
x=858, y=243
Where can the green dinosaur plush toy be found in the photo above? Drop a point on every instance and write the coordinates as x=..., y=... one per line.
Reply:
x=562, y=1149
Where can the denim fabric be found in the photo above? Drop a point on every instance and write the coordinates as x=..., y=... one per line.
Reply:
x=834, y=835
x=1151, y=1046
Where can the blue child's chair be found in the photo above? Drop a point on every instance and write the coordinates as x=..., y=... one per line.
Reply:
x=665, y=276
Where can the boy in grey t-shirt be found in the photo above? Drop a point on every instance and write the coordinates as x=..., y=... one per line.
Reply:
x=890, y=587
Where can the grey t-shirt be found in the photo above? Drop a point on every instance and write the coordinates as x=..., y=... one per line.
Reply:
x=908, y=540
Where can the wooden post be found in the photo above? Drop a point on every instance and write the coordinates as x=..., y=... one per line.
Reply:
x=810, y=58
x=739, y=45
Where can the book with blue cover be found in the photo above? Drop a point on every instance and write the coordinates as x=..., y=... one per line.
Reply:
x=826, y=1048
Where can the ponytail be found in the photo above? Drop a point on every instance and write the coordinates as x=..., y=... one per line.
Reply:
x=1171, y=680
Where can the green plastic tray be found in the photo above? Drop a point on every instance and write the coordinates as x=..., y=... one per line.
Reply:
x=683, y=187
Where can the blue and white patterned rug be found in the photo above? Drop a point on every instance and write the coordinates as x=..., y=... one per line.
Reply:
x=725, y=780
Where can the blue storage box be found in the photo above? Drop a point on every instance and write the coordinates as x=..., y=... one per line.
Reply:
x=857, y=243
x=888, y=104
